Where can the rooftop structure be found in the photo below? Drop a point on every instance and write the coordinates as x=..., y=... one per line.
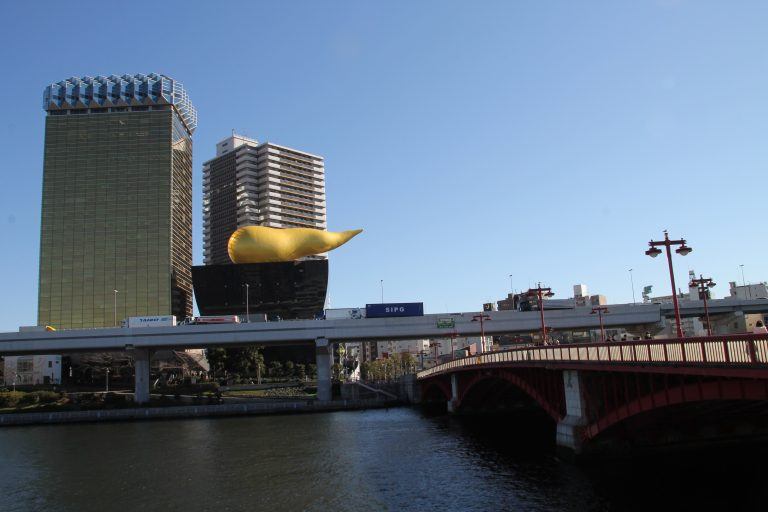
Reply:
x=122, y=93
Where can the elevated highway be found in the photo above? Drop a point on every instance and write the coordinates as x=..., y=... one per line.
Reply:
x=305, y=332
x=323, y=333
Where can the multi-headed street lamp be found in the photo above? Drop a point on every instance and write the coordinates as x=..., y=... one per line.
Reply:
x=683, y=250
x=703, y=285
x=600, y=310
x=540, y=293
x=482, y=317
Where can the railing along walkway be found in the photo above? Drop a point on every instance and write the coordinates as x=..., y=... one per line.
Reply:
x=740, y=349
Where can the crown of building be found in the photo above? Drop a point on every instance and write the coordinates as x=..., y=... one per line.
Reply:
x=120, y=91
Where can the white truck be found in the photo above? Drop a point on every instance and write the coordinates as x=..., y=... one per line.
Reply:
x=345, y=314
x=149, y=321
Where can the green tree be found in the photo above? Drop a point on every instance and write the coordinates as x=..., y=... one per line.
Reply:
x=275, y=369
x=408, y=363
x=241, y=361
x=336, y=371
x=312, y=371
x=301, y=372
x=289, y=369
x=217, y=359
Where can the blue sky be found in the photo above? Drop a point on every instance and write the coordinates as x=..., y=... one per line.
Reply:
x=471, y=140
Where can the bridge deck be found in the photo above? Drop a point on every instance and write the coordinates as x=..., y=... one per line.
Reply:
x=724, y=353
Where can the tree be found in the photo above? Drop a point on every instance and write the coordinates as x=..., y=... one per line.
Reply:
x=301, y=372
x=336, y=370
x=242, y=361
x=217, y=359
x=312, y=371
x=275, y=369
x=408, y=363
x=289, y=369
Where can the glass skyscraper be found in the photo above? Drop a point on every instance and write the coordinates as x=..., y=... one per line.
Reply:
x=117, y=201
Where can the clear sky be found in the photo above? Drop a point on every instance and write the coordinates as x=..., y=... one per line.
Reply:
x=471, y=140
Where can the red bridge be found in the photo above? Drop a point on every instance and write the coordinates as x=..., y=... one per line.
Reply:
x=654, y=391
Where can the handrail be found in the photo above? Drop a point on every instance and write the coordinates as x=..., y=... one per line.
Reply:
x=734, y=350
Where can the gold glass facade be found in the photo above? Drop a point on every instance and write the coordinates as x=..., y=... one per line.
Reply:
x=116, y=215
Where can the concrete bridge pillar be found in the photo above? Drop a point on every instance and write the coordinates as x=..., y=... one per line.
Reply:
x=569, y=428
x=453, y=403
x=324, y=361
x=141, y=358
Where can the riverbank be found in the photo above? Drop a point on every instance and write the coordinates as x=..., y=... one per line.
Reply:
x=191, y=411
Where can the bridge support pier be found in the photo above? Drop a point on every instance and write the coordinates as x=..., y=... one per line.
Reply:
x=324, y=361
x=569, y=428
x=141, y=358
x=453, y=403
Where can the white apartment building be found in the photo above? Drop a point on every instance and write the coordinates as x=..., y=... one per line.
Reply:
x=251, y=183
x=32, y=370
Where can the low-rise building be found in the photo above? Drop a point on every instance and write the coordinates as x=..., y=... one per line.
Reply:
x=749, y=291
x=32, y=370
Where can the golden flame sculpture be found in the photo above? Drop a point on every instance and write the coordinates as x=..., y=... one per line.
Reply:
x=260, y=244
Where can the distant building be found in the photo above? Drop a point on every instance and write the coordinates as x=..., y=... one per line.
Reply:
x=749, y=291
x=524, y=302
x=251, y=183
x=413, y=347
x=116, y=223
x=32, y=370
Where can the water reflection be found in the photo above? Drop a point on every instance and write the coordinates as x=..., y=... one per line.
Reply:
x=398, y=459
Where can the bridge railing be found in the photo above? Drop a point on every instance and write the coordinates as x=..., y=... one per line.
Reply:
x=739, y=349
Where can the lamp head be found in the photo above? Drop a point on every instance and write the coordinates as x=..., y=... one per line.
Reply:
x=653, y=252
x=683, y=250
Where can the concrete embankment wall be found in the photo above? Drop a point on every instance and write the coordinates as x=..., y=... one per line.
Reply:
x=406, y=389
x=190, y=411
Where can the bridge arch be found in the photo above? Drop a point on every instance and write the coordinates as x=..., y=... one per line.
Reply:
x=689, y=393
x=436, y=387
x=521, y=381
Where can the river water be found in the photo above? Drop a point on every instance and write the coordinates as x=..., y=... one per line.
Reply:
x=397, y=459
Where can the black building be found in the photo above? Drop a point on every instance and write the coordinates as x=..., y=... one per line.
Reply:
x=286, y=290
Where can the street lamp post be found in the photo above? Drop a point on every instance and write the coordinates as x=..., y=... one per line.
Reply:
x=540, y=293
x=482, y=317
x=600, y=310
x=115, y=308
x=511, y=288
x=632, y=281
x=381, y=282
x=107, y=379
x=703, y=285
x=747, y=291
x=247, y=303
x=436, y=345
x=683, y=250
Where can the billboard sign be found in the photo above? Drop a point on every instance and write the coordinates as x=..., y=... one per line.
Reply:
x=394, y=309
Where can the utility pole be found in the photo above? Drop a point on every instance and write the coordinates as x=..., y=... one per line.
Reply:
x=247, y=303
x=540, y=293
x=115, y=308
